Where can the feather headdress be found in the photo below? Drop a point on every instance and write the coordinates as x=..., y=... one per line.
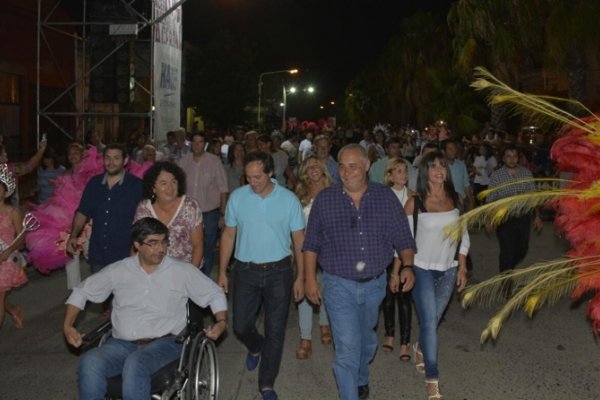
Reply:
x=577, y=207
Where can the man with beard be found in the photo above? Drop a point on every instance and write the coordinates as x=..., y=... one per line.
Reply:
x=110, y=200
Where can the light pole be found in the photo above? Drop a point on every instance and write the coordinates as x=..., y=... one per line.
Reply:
x=284, y=105
x=260, y=83
x=309, y=89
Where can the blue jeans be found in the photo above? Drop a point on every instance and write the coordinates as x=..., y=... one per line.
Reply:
x=135, y=363
x=353, y=309
x=305, y=315
x=271, y=288
x=210, y=220
x=431, y=294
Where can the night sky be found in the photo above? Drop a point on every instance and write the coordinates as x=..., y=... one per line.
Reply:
x=328, y=40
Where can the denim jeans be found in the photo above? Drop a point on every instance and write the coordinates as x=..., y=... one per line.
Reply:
x=305, y=315
x=271, y=288
x=431, y=294
x=353, y=309
x=210, y=220
x=135, y=363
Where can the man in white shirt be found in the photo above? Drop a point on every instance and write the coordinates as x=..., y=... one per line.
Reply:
x=305, y=146
x=150, y=292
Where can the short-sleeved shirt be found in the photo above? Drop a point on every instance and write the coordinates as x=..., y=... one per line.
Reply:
x=206, y=179
x=111, y=211
x=149, y=305
x=263, y=224
x=345, y=237
x=187, y=218
x=460, y=177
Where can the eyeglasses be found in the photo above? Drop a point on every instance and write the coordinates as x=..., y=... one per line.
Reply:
x=154, y=244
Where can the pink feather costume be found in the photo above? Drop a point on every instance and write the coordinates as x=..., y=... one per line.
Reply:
x=47, y=244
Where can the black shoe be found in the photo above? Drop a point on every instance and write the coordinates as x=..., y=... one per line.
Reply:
x=363, y=392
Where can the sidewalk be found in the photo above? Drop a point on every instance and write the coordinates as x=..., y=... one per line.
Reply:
x=552, y=357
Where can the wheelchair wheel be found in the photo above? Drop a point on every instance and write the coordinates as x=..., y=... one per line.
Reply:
x=203, y=370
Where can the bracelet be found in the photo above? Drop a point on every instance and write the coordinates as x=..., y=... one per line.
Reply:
x=219, y=320
x=405, y=266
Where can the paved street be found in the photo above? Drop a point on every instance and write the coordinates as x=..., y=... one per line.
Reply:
x=552, y=357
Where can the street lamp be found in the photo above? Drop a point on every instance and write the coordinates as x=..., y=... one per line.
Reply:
x=284, y=105
x=291, y=90
x=260, y=83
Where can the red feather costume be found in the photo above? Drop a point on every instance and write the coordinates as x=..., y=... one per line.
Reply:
x=579, y=219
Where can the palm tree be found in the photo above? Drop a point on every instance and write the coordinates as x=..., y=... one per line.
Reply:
x=504, y=36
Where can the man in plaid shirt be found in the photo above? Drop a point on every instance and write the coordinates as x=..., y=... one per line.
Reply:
x=353, y=229
x=513, y=234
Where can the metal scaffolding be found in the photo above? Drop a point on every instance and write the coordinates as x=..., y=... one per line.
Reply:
x=139, y=28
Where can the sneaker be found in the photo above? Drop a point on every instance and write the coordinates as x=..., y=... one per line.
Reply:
x=363, y=392
x=252, y=361
x=269, y=394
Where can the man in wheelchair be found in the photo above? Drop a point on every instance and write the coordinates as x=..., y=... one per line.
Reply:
x=151, y=291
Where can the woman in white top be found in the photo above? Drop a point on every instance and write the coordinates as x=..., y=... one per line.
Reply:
x=396, y=176
x=437, y=268
x=313, y=177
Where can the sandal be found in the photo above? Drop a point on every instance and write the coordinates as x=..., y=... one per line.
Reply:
x=388, y=344
x=17, y=316
x=419, y=364
x=325, y=334
x=405, y=352
x=304, y=350
x=432, y=387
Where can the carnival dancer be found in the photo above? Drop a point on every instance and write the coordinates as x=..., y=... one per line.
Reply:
x=11, y=274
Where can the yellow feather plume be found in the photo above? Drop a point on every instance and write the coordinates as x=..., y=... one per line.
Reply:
x=536, y=286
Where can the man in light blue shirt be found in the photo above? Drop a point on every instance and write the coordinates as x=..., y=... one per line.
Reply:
x=458, y=170
x=262, y=220
x=322, y=147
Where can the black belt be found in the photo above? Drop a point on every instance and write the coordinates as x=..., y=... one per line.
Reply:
x=143, y=341
x=267, y=265
x=369, y=279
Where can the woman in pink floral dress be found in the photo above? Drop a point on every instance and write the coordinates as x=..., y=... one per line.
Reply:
x=165, y=200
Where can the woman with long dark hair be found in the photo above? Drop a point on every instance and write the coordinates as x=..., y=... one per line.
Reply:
x=440, y=263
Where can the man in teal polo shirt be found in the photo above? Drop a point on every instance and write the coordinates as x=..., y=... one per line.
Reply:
x=458, y=170
x=262, y=220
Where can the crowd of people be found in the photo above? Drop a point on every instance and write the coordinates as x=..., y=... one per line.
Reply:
x=328, y=218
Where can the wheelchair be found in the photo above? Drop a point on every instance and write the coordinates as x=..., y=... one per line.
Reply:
x=194, y=376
